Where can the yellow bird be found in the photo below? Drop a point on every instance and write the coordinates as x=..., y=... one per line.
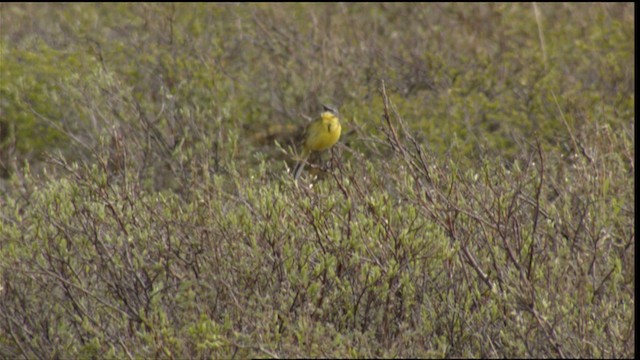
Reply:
x=319, y=135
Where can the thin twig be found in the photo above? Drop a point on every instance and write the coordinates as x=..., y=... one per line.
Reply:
x=540, y=34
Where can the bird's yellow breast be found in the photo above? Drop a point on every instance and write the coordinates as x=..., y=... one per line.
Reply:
x=323, y=133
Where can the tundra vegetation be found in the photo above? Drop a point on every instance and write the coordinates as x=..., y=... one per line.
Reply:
x=480, y=202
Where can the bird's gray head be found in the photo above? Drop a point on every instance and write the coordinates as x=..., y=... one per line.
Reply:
x=330, y=109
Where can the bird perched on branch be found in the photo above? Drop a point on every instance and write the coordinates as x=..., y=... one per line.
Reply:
x=320, y=134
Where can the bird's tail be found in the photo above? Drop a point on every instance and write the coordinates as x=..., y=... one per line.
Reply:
x=300, y=165
x=298, y=169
